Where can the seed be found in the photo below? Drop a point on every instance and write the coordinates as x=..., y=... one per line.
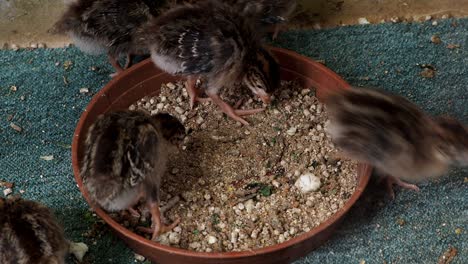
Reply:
x=7, y=191
x=16, y=127
x=212, y=239
x=179, y=110
x=436, y=39
x=84, y=90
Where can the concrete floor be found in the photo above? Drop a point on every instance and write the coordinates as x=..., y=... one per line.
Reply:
x=25, y=22
x=345, y=12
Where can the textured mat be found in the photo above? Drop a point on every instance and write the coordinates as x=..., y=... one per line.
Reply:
x=415, y=228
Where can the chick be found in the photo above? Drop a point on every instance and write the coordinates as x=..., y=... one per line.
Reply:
x=100, y=26
x=29, y=233
x=209, y=40
x=395, y=136
x=271, y=12
x=125, y=158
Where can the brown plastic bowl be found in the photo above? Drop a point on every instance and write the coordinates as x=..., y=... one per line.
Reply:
x=145, y=79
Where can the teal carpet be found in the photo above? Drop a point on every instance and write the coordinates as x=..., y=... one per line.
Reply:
x=415, y=228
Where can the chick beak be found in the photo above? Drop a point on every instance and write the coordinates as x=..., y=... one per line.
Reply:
x=266, y=98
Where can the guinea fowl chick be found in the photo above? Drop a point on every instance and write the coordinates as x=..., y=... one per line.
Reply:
x=125, y=158
x=395, y=136
x=29, y=233
x=271, y=12
x=100, y=26
x=209, y=40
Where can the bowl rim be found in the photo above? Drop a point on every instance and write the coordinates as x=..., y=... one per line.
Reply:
x=362, y=169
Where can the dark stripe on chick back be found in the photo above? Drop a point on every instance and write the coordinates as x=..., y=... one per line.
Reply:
x=26, y=235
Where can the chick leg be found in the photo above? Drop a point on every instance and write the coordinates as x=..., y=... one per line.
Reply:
x=238, y=104
x=134, y=212
x=113, y=61
x=170, y=204
x=393, y=180
x=129, y=61
x=191, y=86
x=229, y=111
x=157, y=227
x=276, y=30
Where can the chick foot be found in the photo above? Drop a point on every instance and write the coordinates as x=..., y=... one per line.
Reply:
x=134, y=212
x=231, y=112
x=155, y=231
x=157, y=227
x=390, y=181
x=203, y=99
x=113, y=61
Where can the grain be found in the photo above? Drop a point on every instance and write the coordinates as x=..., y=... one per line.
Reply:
x=237, y=183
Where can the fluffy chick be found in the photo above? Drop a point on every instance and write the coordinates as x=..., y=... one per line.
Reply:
x=125, y=158
x=395, y=136
x=29, y=233
x=210, y=40
x=100, y=26
x=271, y=12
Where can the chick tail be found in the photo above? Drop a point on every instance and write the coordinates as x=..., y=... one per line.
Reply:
x=334, y=95
x=63, y=26
x=68, y=2
x=69, y=21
